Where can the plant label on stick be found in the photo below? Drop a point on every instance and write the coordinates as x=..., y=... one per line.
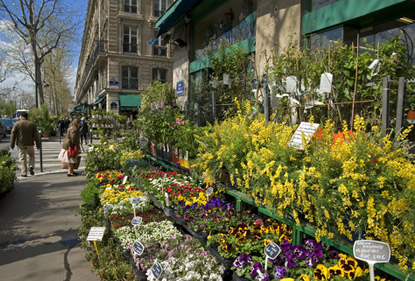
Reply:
x=124, y=180
x=138, y=248
x=209, y=192
x=135, y=200
x=156, y=270
x=137, y=221
x=372, y=252
x=96, y=234
x=308, y=129
x=272, y=251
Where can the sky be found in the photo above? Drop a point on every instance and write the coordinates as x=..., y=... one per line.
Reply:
x=22, y=82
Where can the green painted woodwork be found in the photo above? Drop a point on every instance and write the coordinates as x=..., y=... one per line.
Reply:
x=344, y=11
x=248, y=46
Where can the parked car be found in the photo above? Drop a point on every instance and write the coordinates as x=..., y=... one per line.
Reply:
x=9, y=122
x=3, y=130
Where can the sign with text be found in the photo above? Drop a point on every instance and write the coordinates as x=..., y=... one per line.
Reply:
x=272, y=250
x=180, y=88
x=137, y=221
x=371, y=251
x=156, y=269
x=138, y=248
x=95, y=234
x=308, y=129
x=135, y=200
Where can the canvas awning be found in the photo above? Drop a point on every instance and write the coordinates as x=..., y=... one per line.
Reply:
x=98, y=101
x=129, y=101
x=173, y=15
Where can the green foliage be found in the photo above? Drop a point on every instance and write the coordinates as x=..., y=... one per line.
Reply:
x=90, y=194
x=234, y=61
x=157, y=125
x=159, y=93
x=7, y=171
x=342, y=61
x=41, y=117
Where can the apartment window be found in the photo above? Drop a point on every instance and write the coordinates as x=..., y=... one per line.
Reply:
x=160, y=74
x=160, y=7
x=130, y=39
x=130, y=77
x=160, y=46
x=130, y=6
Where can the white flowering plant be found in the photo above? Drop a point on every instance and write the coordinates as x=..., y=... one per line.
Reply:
x=182, y=260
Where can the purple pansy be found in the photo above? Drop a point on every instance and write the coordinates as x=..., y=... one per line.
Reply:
x=255, y=268
x=299, y=251
x=285, y=245
x=279, y=272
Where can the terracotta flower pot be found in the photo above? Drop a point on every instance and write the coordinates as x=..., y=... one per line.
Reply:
x=411, y=114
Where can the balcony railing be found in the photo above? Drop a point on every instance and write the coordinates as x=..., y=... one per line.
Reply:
x=100, y=48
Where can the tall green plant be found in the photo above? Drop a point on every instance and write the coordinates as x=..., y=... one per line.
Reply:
x=352, y=78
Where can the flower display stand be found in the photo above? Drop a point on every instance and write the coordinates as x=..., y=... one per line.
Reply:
x=236, y=277
x=339, y=241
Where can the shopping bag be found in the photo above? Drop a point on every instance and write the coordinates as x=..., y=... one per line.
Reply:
x=73, y=151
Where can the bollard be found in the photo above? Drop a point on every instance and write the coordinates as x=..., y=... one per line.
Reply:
x=40, y=152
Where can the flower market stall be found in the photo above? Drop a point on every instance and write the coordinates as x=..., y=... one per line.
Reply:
x=248, y=198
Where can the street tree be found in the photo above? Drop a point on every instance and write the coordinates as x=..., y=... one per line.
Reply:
x=56, y=72
x=42, y=25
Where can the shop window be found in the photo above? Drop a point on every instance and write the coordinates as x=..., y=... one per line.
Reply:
x=160, y=46
x=130, y=39
x=229, y=25
x=322, y=40
x=317, y=4
x=160, y=74
x=130, y=6
x=160, y=7
x=130, y=77
x=114, y=106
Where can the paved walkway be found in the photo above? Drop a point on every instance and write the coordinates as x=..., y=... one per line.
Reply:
x=38, y=221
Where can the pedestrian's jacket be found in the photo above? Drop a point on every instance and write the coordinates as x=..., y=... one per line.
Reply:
x=84, y=128
x=24, y=133
x=73, y=135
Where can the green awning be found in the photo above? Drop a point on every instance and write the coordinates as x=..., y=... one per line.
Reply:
x=129, y=101
x=98, y=101
x=173, y=15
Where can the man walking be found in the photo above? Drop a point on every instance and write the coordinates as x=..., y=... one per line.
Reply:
x=25, y=134
x=84, y=130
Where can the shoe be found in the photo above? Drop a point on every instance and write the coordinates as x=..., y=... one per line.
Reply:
x=32, y=171
x=75, y=174
x=71, y=175
x=24, y=176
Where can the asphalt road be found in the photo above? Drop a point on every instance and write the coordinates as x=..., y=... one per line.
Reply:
x=38, y=221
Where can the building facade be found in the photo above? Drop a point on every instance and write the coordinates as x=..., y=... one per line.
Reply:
x=258, y=25
x=117, y=62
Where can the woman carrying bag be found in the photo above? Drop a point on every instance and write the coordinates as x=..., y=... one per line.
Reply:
x=71, y=147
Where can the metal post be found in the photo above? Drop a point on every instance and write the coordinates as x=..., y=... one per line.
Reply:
x=400, y=105
x=213, y=107
x=266, y=97
x=385, y=105
x=40, y=153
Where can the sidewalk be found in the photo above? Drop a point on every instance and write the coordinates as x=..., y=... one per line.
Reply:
x=38, y=221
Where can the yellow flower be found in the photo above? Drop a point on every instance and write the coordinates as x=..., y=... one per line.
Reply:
x=321, y=272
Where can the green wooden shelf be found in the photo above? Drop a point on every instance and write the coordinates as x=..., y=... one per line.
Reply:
x=298, y=230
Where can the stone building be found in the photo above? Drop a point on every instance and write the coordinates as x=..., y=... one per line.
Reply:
x=117, y=63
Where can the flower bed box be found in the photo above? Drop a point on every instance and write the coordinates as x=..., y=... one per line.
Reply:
x=227, y=263
x=199, y=235
x=179, y=219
